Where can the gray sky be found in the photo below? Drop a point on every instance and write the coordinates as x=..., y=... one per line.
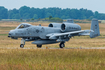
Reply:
x=94, y=5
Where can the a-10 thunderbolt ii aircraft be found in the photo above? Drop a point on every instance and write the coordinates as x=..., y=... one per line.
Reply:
x=54, y=33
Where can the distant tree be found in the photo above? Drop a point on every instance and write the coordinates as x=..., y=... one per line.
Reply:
x=32, y=12
x=25, y=12
x=96, y=14
x=32, y=19
x=63, y=17
x=27, y=20
x=26, y=16
x=102, y=16
x=13, y=14
x=48, y=14
x=91, y=17
x=3, y=12
x=35, y=16
x=89, y=13
x=39, y=19
x=21, y=19
x=50, y=17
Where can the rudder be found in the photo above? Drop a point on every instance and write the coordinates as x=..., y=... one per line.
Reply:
x=95, y=28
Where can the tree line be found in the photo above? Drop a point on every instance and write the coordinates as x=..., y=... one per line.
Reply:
x=26, y=12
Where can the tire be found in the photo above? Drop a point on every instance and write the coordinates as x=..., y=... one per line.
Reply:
x=22, y=46
x=61, y=45
x=39, y=46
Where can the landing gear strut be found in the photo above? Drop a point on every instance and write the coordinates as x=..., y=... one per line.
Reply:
x=61, y=45
x=22, y=43
x=39, y=46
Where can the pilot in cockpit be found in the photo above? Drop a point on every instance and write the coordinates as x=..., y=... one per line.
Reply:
x=23, y=25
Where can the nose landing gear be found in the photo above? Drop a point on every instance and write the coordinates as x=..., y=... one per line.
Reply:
x=22, y=43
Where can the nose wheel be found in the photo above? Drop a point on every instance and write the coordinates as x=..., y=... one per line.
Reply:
x=22, y=46
x=22, y=43
x=61, y=45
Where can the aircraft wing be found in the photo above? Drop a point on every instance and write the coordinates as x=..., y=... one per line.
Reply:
x=81, y=32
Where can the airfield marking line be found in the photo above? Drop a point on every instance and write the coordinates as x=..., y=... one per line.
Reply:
x=54, y=48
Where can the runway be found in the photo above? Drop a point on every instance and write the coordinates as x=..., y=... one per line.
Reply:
x=53, y=48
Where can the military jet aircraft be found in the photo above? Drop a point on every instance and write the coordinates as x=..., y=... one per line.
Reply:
x=54, y=33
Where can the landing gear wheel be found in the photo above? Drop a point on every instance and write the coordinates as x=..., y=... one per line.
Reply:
x=39, y=46
x=61, y=45
x=22, y=46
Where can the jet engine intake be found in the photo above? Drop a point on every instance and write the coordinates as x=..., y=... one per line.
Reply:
x=67, y=27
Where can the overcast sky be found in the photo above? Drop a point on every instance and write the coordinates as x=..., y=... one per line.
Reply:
x=94, y=5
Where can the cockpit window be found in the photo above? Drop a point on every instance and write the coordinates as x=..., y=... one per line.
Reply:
x=23, y=26
x=27, y=26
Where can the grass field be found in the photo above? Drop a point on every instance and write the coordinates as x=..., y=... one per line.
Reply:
x=50, y=59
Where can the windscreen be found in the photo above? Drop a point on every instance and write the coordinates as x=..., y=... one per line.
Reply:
x=23, y=26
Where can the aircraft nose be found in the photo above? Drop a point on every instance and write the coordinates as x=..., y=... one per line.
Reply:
x=11, y=33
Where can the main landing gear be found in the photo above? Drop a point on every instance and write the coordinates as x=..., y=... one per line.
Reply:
x=22, y=43
x=61, y=45
x=39, y=46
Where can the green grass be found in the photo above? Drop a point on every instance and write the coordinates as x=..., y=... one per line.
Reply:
x=3, y=34
x=7, y=28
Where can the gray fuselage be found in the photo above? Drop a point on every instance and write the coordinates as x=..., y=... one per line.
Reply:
x=38, y=31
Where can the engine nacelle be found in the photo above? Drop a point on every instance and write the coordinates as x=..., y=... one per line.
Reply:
x=68, y=27
x=55, y=25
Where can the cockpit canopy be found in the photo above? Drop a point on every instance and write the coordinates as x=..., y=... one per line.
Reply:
x=23, y=25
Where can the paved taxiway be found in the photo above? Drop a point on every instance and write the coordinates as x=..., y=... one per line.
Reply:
x=53, y=48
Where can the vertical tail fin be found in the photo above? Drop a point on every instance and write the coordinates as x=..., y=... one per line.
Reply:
x=95, y=28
